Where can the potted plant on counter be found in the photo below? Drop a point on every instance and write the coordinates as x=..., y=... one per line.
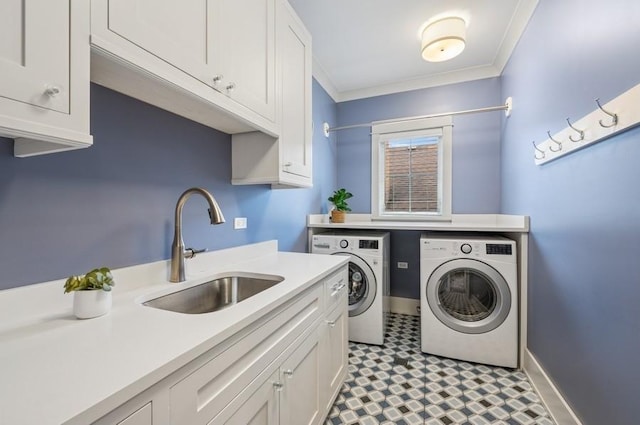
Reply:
x=92, y=293
x=339, y=200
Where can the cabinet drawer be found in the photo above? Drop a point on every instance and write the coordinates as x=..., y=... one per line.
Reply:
x=204, y=393
x=336, y=286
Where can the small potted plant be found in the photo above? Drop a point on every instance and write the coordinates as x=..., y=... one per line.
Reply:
x=92, y=293
x=339, y=200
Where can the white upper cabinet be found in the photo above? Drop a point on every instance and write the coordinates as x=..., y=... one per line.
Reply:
x=294, y=58
x=174, y=31
x=44, y=63
x=242, y=44
x=212, y=61
x=284, y=161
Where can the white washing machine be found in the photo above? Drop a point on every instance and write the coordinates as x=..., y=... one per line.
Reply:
x=368, y=280
x=469, y=298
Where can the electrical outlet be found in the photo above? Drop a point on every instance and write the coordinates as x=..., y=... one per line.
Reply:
x=403, y=265
x=240, y=223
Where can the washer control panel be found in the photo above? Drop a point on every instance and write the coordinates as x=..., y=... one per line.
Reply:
x=478, y=248
x=332, y=243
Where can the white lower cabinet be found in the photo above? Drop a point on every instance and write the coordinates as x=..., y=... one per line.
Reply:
x=302, y=386
x=143, y=416
x=335, y=351
x=285, y=368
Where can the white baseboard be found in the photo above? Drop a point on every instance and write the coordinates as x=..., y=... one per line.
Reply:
x=557, y=406
x=404, y=306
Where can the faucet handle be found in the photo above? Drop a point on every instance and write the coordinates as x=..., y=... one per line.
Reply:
x=190, y=252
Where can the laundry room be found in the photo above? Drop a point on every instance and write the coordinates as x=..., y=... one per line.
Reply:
x=506, y=292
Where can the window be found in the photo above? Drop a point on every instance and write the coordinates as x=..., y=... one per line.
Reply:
x=411, y=170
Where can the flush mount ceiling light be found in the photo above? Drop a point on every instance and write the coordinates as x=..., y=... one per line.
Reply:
x=443, y=39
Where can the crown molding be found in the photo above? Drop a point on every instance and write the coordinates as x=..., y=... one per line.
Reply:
x=323, y=79
x=517, y=26
x=464, y=75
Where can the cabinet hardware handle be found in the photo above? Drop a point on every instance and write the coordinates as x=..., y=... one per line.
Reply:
x=331, y=323
x=278, y=386
x=231, y=86
x=52, y=91
x=288, y=372
x=288, y=164
x=217, y=78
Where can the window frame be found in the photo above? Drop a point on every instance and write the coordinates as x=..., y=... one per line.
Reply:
x=381, y=132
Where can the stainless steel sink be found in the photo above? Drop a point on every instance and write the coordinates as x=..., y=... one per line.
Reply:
x=214, y=295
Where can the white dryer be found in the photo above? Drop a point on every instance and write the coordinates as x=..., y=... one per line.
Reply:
x=469, y=298
x=368, y=279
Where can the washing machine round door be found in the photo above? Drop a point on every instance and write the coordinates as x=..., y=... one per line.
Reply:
x=468, y=296
x=362, y=284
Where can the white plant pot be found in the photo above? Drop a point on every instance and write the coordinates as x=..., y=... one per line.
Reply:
x=92, y=303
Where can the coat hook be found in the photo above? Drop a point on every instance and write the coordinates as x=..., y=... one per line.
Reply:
x=554, y=141
x=539, y=150
x=614, y=117
x=580, y=132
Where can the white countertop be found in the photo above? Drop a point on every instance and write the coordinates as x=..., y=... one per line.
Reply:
x=458, y=223
x=55, y=369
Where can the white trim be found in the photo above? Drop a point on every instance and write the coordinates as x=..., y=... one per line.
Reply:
x=404, y=306
x=519, y=22
x=454, y=77
x=556, y=405
x=381, y=132
x=323, y=79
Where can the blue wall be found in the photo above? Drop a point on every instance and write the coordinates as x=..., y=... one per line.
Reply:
x=476, y=158
x=584, y=273
x=112, y=204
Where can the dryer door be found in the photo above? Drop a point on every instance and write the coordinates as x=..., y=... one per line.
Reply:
x=468, y=296
x=362, y=284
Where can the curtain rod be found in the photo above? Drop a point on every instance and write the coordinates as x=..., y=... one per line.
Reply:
x=507, y=108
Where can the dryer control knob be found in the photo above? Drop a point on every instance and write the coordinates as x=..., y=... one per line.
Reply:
x=344, y=243
x=465, y=248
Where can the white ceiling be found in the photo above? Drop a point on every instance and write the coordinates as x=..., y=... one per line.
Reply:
x=364, y=48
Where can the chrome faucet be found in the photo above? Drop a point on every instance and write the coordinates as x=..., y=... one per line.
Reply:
x=178, y=252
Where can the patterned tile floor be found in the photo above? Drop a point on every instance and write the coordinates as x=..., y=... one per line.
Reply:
x=398, y=384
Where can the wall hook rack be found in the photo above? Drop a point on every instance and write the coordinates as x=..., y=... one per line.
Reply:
x=622, y=113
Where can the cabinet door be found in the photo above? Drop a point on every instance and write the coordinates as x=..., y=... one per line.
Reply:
x=174, y=31
x=335, y=352
x=294, y=45
x=243, y=43
x=301, y=378
x=35, y=52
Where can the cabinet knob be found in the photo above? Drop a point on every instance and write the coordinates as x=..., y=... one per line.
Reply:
x=217, y=78
x=52, y=91
x=288, y=372
x=231, y=86
x=331, y=323
x=278, y=386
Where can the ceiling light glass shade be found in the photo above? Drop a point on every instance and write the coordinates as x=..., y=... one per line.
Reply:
x=443, y=40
